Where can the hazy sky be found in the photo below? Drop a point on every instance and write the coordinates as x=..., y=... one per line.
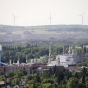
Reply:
x=37, y=12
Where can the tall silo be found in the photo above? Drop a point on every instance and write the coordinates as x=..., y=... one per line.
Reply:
x=0, y=53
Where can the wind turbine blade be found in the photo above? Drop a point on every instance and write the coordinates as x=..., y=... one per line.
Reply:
x=12, y=14
x=16, y=17
x=83, y=13
x=79, y=15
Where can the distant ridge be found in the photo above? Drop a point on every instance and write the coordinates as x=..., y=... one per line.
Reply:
x=15, y=37
x=13, y=33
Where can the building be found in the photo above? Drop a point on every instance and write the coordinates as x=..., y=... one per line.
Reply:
x=71, y=58
x=66, y=60
x=2, y=84
x=63, y=60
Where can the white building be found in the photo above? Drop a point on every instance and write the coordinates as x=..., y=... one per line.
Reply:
x=70, y=59
x=67, y=59
x=53, y=63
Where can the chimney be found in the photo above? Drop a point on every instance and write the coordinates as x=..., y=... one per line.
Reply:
x=10, y=62
x=63, y=49
x=73, y=50
x=49, y=61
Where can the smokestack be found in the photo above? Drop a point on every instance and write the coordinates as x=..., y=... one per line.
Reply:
x=73, y=50
x=0, y=53
x=49, y=54
x=69, y=49
x=18, y=61
x=10, y=61
x=26, y=59
x=63, y=49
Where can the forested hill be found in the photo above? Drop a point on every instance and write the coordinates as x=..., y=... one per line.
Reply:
x=44, y=29
x=44, y=32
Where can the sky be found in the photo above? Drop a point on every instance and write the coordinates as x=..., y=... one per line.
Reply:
x=38, y=12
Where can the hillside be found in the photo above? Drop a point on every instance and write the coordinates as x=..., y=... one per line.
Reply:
x=45, y=32
x=44, y=29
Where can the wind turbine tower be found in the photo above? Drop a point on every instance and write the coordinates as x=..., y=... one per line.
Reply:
x=14, y=19
x=50, y=19
x=82, y=17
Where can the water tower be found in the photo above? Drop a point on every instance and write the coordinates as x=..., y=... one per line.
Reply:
x=0, y=53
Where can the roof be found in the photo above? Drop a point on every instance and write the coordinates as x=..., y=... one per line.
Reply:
x=14, y=86
x=2, y=82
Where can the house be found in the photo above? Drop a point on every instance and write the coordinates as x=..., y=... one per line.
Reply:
x=2, y=84
x=14, y=86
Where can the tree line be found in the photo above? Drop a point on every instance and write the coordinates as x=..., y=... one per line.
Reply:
x=50, y=78
x=35, y=52
x=27, y=52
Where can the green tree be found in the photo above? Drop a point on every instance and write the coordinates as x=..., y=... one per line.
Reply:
x=11, y=74
x=50, y=71
x=29, y=77
x=19, y=74
x=54, y=69
x=60, y=77
x=46, y=85
x=1, y=78
x=83, y=79
x=86, y=85
x=67, y=74
x=48, y=81
x=81, y=85
x=45, y=74
x=16, y=81
x=84, y=70
x=75, y=74
x=72, y=83
x=37, y=79
x=9, y=80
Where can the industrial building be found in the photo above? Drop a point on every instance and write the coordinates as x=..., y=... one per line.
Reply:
x=61, y=61
x=66, y=60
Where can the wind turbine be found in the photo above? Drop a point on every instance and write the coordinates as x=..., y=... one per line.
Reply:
x=50, y=19
x=14, y=19
x=82, y=17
